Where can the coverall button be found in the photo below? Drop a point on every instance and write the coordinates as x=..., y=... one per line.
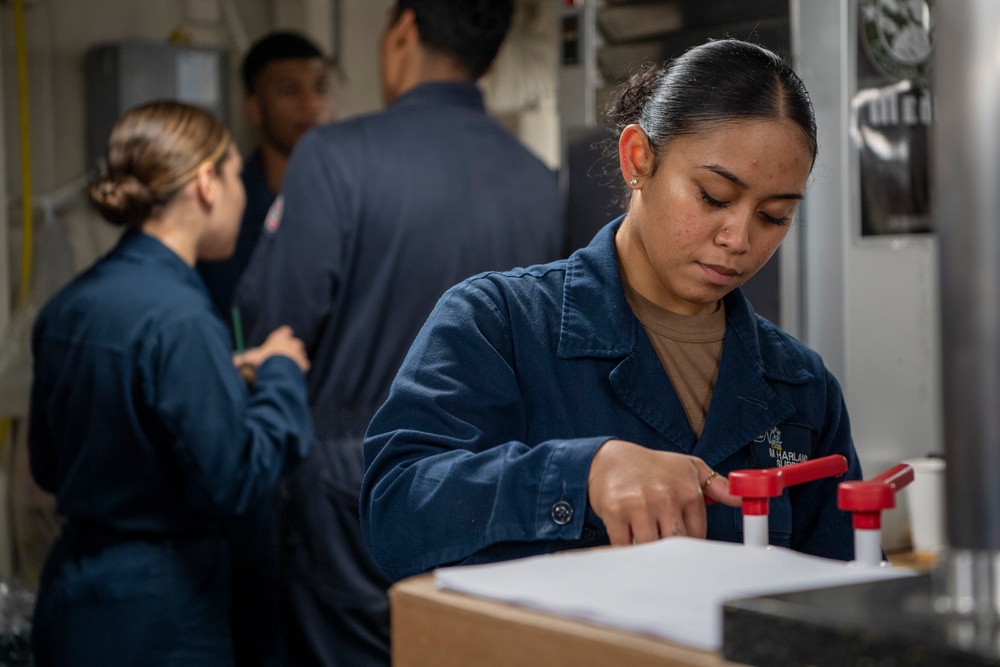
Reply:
x=589, y=533
x=562, y=512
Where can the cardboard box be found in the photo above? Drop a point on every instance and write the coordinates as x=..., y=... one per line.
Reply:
x=435, y=628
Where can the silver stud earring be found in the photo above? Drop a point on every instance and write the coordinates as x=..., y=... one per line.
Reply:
x=634, y=182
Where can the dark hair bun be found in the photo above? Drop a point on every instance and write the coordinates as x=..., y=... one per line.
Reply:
x=631, y=99
x=122, y=199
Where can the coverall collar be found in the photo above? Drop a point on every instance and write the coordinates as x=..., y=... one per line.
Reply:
x=456, y=93
x=141, y=247
x=598, y=322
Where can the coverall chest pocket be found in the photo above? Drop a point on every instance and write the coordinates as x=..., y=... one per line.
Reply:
x=780, y=446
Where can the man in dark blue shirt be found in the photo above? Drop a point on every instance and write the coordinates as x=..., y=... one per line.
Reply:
x=381, y=214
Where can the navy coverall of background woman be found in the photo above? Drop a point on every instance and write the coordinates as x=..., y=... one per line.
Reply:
x=482, y=451
x=381, y=215
x=148, y=436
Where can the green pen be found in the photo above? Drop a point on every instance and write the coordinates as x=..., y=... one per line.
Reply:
x=237, y=329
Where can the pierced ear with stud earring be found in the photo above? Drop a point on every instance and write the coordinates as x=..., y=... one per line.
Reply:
x=634, y=182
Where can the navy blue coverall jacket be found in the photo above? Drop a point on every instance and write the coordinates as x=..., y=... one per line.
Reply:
x=483, y=449
x=379, y=216
x=144, y=430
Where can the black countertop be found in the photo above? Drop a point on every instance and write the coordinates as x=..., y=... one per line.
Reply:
x=888, y=623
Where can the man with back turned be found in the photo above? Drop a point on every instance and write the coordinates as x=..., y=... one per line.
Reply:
x=378, y=216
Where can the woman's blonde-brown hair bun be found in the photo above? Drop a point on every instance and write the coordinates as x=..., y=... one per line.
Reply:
x=122, y=198
x=155, y=149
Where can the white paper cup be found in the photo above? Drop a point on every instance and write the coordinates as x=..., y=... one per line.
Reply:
x=925, y=499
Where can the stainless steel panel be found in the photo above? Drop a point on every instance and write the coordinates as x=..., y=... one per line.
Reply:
x=966, y=169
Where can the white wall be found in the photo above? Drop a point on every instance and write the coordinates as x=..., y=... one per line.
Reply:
x=893, y=345
x=363, y=21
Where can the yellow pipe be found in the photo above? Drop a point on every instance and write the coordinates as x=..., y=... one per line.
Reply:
x=27, y=240
x=21, y=44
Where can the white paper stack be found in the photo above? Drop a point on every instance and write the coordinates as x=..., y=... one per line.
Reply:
x=673, y=588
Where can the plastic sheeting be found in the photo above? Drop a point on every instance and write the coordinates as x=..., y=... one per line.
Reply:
x=69, y=238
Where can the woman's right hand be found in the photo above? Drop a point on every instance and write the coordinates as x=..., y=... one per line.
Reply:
x=643, y=495
x=279, y=342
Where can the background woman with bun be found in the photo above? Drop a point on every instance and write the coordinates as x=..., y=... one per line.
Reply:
x=140, y=423
x=601, y=398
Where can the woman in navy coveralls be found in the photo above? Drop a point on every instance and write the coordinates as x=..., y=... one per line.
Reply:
x=140, y=422
x=601, y=398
